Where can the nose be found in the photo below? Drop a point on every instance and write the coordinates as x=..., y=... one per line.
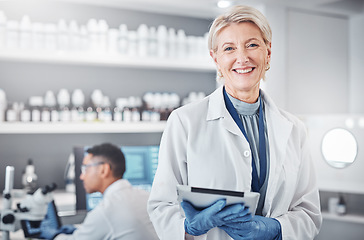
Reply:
x=242, y=56
x=82, y=176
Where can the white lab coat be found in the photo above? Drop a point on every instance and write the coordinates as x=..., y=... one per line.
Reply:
x=203, y=147
x=121, y=215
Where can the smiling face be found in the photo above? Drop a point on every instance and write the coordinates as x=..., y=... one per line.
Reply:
x=242, y=57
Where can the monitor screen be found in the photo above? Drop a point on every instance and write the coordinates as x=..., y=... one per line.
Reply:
x=141, y=164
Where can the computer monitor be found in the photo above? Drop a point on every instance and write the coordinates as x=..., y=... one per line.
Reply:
x=141, y=164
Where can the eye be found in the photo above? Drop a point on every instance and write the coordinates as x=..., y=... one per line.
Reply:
x=252, y=45
x=228, y=49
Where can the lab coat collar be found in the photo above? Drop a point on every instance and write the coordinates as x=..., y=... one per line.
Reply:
x=216, y=107
x=217, y=110
x=119, y=184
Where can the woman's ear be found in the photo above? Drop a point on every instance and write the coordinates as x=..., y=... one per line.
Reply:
x=269, y=51
x=213, y=56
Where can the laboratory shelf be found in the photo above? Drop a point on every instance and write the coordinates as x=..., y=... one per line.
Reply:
x=81, y=127
x=107, y=60
x=352, y=218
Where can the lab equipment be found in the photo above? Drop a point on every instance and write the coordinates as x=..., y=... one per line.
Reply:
x=69, y=174
x=49, y=227
x=3, y=101
x=257, y=228
x=32, y=208
x=29, y=178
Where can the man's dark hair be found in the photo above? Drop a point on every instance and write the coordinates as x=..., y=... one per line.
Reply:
x=112, y=155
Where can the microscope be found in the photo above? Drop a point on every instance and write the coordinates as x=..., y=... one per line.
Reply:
x=32, y=208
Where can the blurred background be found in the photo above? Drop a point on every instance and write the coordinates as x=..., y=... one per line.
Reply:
x=75, y=73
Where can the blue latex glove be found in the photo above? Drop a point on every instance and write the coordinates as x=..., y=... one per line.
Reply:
x=67, y=229
x=51, y=233
x=48, y=233
x=258, y=228
x=48, y=228
x=200, y=222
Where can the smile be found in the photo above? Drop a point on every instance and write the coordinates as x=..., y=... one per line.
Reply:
x=247, y=70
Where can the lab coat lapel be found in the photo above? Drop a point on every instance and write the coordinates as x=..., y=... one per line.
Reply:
x=279, y=130
x=217, y=110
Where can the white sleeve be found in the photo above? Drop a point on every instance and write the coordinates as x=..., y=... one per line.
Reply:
x=95, y=225
x=163, y=208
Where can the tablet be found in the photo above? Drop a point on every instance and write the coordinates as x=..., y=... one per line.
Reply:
x=204, y=197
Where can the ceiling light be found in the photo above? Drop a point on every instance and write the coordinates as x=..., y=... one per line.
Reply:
x=223, y=4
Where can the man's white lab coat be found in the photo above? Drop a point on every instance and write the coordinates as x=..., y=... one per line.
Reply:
x=203, y=147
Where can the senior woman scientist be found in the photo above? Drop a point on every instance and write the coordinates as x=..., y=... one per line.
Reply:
x=237, y=139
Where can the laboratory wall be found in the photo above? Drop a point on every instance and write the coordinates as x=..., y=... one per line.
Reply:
x=356, y=49
x=317, y=67
x=22, y=79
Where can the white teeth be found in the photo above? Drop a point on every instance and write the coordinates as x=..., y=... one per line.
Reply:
x=244, y=71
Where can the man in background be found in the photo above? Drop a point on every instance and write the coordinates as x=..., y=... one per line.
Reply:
x=122, y=213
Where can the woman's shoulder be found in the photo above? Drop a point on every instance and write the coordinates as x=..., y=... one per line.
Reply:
x=192, y=109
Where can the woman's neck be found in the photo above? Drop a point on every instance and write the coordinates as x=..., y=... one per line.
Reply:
x=248, y=97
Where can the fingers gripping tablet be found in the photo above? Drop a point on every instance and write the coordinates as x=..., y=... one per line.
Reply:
x=205, y=197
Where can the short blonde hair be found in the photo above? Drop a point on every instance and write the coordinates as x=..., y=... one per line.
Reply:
x=238, y=14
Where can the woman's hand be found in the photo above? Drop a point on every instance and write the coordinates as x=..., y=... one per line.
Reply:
x=257, y=228
x=200, y=222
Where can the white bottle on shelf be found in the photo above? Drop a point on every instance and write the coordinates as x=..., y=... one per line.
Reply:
x=120, y=103
x=38, y=36
x=172, y=43
x=62, y=37
x=152, y=42
x=84, y=40
x=103, y=32
x=3, y=20
x=25, y=114
x=46, y=114
x=12, y=34
x=112, y=43
x=162, y=36
x=132, y=44
x=12, y=112
x=181, y=44
x=63, y=99
x=123, y=39
x=106, y=114
x=192, y=47
x=25, y=37
x=96, y=99
x=35, y=104
x=50, y=37
x=77, y=111
x=143, y=34
x=74, y=37
x=50, y=103
x=93, y=33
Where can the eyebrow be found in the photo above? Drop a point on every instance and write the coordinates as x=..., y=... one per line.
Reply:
x=250, y=39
